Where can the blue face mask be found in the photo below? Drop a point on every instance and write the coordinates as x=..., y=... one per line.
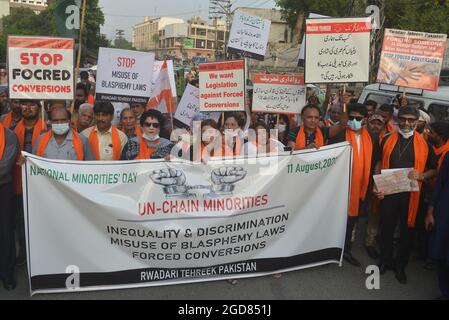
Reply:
x=355, y=125
x=60, y=129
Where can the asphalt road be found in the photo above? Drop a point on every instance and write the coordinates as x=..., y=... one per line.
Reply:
x=325, y=282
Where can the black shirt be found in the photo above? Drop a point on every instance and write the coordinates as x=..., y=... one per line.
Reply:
x=403, y=155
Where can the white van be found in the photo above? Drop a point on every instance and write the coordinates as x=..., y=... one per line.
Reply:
x=436, y=103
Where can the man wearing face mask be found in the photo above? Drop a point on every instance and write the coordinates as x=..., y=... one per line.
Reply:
x=365, y=147
x=105, y=140
x=403, y=149
x=61, y=142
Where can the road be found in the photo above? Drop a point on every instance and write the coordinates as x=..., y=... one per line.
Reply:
x=325, y=282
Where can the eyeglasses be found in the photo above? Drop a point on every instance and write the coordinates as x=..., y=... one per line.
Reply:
x=352, y=118
x=409, y=120
x=149, y=125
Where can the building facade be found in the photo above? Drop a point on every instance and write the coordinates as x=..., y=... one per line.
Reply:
x=35, y=5
x=146, y=34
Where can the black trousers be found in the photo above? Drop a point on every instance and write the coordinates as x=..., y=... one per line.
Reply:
x=394, y=209
x=7, y=227
x=443, y=278
x=352, y=221
x=20, y=224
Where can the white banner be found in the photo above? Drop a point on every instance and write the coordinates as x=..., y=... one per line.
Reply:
x=337, y=50
x=124, y=75
x=277, y=93
x=189, y=106
x=41, y=68
x=106, y=225
x=249, y=35
x=171, y=73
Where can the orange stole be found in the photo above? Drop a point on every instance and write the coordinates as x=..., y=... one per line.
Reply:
x=8, y=120
x=361, y=169
x=301, y=138
x=20, y=133
x=440, y=152
x=116, y=145
x=77, y=145
x=421, y=151
x=144, y=151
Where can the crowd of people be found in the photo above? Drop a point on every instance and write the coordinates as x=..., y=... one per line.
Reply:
x=389, y=136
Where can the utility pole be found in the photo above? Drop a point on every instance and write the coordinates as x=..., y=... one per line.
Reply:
x=217, y=10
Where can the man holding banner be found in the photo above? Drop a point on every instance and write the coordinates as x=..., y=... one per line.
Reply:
x=9, y=148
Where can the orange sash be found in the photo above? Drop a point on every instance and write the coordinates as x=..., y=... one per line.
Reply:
x=20, y=133
x=8, y=120
x=421, y=151
x=440, y=152
x=91, y=99
x=77, y=145
x=138, y=131
x=144, y=152
x=390, y=127
x=2, y=140
x=116, y=145
x=301, y=139
x=361, y=168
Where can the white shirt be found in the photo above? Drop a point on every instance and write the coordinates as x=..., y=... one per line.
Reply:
x=105, y=142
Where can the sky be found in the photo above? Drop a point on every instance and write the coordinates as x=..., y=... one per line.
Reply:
x=123, y=14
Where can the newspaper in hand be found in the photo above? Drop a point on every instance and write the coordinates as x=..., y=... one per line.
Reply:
x=395, y=181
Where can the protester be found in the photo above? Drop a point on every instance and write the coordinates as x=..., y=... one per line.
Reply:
x=106, y=141
x=150, y=145
x=80, y=95
x=85, y=117
x=211, y=142
x=423, y=124
x=371, y=107
x=260, y=143
x=138, y=109
x=335, y=113
x=61, y=142
x=439, y=137
x=310, y=135
x=27, y=131
x=376, y=126
x=128, y=123
x=283, y=128
x=3, y=77
x=9, y=148
x=12, y=118
x=387, y=111
x=233, y=134
x=402, y=149
x=365, y=148
x=4, y=101
x=437, y=221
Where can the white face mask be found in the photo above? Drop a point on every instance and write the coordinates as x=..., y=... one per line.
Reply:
x=407, y=133
x=282, y=128
x=355, y=125
x=151, y=139
x=231, y=133
x=60, y=129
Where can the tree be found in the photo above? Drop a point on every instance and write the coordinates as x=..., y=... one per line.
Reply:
x=23, y=21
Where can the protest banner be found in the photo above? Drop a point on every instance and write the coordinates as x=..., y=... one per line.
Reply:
x=222, y=86
x=412, y=59
x=249, y=36
x=337, y=50
x=171, y=73
x=127, y=224
x=41, y=68
x=189, y=107
x=275, y=93
x=302, y=49
x=124, y=75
